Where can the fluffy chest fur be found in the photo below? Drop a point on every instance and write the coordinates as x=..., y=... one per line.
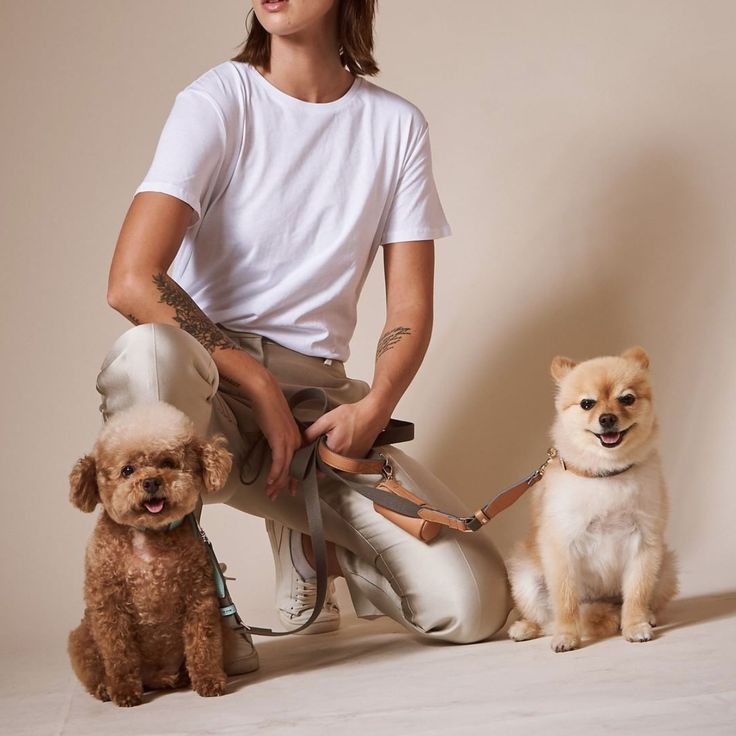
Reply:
x=155, y=572
x=602, y=522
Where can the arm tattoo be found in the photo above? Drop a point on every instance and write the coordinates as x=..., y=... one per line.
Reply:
x=223, y=377
x=189, y=316
x=390, y=339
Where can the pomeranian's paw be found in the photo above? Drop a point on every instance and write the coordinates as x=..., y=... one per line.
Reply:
x=565, y=642
x=210, y=685
x=638, y=632
x=522, y=630
x=652, y=620
x=101, y=693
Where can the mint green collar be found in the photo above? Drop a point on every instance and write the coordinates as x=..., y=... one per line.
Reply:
x=169, y=528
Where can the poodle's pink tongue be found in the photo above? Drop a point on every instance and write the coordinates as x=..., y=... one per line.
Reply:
x=155, y=505
x=611, y=438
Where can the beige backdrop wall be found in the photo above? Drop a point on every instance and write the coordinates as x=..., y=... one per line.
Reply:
x=584, y=153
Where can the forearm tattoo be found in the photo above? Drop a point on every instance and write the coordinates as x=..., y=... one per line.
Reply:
x=390, y=339
x=223, y=377
x=189, y=316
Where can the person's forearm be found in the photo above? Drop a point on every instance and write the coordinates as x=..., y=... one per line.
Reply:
x=158, y=298
x=401, y=349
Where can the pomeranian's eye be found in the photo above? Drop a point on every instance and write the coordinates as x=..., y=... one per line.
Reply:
x=167, y=463
x=587, y=404
x=127, y=470
x=627, y=399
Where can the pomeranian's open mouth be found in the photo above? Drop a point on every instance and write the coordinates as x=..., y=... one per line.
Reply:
x=154, y=505
x=612, y=439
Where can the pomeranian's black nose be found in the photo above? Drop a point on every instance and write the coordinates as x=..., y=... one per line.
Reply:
x=151, y=485
x=608, y=421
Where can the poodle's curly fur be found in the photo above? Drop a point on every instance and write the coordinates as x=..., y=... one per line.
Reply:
x=151, y=616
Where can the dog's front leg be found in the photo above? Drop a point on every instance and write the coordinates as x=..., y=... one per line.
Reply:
x=203, y=646
x=559, y=572
x=112, y=628
x=640, y=578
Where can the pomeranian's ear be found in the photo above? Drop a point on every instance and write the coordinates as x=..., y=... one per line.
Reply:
x=217, y=461
x=560, y=367
x=638, y=355
x=83, y=492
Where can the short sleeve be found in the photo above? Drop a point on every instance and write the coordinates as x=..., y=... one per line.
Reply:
x=191, y=151
x=416, y=211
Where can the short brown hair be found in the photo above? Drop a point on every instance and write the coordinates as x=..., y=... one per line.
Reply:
x=354, y=34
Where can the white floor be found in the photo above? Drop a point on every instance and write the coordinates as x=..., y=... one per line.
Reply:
x=373, y=678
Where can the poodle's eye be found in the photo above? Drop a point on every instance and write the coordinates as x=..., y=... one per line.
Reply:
x=167, y=463
x=587, y=404
x=127, y=470
x=627, y=399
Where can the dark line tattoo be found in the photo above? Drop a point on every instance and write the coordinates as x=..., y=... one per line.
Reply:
x=133, y=319
x=223, y=377
x=189, y=316
x=390, y=339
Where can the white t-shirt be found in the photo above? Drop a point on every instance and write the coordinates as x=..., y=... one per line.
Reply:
x=291, y=200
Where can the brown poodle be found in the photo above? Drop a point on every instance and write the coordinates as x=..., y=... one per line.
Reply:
x=151, y=618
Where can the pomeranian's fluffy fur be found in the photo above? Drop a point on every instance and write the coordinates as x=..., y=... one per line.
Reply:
x=595, y=560
x=151, y=618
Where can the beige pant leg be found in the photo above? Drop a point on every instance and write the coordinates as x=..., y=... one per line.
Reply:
x=454, y=589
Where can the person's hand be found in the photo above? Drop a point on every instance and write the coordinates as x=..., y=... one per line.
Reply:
x=350, y=428
x=273, y=415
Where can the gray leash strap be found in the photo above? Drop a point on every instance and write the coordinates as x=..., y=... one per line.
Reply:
x=304, y=466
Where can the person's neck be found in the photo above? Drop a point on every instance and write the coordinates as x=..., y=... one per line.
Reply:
x=309, y=72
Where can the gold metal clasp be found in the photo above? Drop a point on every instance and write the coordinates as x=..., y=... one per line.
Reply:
x=551, y=455
x=387, y=469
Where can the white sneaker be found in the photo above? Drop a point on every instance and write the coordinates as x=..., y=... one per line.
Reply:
x=295, y=596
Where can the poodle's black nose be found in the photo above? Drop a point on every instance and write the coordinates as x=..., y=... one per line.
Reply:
x=608, y=421
x=151, y=485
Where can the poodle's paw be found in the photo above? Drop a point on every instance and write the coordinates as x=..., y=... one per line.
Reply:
x=101, y=693
x=565, y=642
x=638, y=632
x=522, y=630
x=126, y=691
x=209, y=685
x=127, y=697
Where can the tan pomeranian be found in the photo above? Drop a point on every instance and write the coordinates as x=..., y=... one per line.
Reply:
x=595, y=560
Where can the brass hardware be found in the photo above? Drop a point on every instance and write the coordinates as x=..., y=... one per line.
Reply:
x=387, y=470
x=551, y=455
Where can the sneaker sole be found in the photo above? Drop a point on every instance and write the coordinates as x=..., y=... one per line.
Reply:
x=317, y=627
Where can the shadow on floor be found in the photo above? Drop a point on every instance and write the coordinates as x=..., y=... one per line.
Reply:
x=292, y=655
x=683, y=612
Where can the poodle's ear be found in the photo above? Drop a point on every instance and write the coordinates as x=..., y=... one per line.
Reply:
x=560, y=367
x=638, y=355
x=83, y=484
x=217, y=461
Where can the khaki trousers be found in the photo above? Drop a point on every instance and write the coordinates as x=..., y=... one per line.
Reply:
x=454, y=589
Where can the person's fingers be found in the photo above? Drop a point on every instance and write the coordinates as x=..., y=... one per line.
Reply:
x=293, y=484
x=319, y=427
x=277, y=476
